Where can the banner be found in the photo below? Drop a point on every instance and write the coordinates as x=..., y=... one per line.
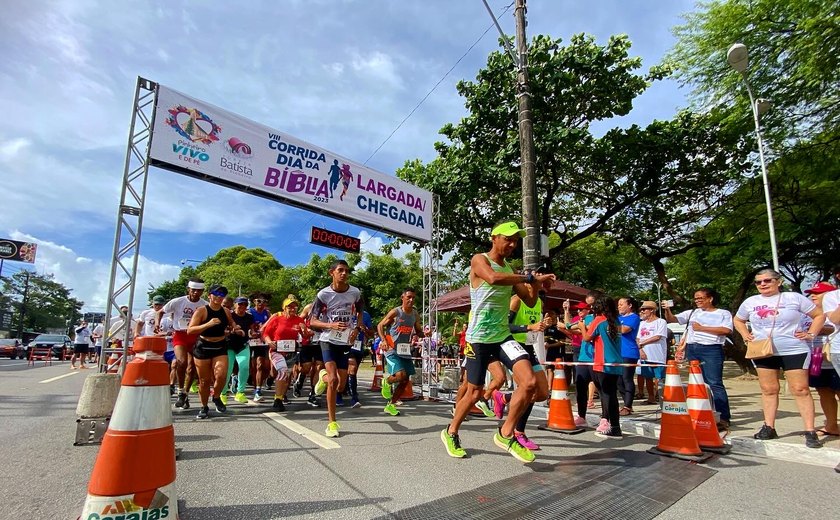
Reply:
x=19, y=251
x=201, y=140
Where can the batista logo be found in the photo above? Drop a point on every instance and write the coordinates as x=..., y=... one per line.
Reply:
x=193, y=124
x=238, y=148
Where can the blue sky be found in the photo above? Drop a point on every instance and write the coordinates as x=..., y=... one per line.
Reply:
x=339, y=74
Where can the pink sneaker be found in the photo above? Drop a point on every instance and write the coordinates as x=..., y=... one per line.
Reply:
x=603, y=426
x=523, y=439
x=498, y=404
x=580, y=422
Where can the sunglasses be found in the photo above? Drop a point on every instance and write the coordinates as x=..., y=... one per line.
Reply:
x=765, y=280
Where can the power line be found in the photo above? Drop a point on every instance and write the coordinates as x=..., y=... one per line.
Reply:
x=429, y=93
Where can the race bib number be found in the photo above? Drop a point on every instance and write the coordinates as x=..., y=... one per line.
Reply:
x=513, y=349
x=184, y=323
x=286, y=345
x=532, y=337
x=340, y=336
x=357, y=346
x=257, y=342
x=404, y=349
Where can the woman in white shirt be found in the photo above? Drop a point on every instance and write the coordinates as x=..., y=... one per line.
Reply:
x=705, y=333
x=652, y=339
x=776, y=314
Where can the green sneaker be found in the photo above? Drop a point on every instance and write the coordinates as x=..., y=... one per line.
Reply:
x=223, y=398
x=519, y=452
x=482, y=405
x=453, y=444
x=194, y=388
x=240, y=397
x=332, y=429
x=387, y=391
x=321, y=387
x=391, y=409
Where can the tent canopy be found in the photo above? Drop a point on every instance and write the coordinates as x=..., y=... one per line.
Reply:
x=459, y=299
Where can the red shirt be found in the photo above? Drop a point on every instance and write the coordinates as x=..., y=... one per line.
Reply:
x=279, y=327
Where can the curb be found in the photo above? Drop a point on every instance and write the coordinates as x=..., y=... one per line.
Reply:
x=824, y=457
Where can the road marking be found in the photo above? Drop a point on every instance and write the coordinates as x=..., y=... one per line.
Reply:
x=50, y=380
x=317, y=438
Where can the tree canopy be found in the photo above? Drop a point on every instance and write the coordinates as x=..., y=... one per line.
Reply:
x=48, y=305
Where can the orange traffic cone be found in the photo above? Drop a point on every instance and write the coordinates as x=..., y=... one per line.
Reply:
x=408, y=392
x=559, y=407
x=376, y=384
x=700, y=410
x=676, y=436
x=113, y=364
x=134, y=473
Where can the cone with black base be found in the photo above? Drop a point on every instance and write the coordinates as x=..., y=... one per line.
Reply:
x=560, y=417
x=676, y=436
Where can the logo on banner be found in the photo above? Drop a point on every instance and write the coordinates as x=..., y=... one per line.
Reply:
x=197, y=129
x=238, y=157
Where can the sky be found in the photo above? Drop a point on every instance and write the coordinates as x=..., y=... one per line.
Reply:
x=340, y=74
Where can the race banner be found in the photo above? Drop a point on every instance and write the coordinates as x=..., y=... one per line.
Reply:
x=18, y=251
x=210, y=143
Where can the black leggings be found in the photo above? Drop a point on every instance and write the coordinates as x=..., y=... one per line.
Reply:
x=627, y=383
x=583, y=376
x=607, y=385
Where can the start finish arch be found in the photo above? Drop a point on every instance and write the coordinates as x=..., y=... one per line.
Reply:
x=173, y=131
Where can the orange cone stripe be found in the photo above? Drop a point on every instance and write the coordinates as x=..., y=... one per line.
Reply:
x=131, y=461
x=696, y=379
x=141, y=408
x=141, y=372
x=701, y=403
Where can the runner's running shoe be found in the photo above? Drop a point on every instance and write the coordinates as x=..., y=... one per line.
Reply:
x=296, y=389
x=390, y=409
x=332, y=429
x=240, y=397
x=387, y=391
x=258, y=398
x=523, y=439
x=498, y=404
x=453, y=444
x=182, y=400
x=481, y=404
x=220, y=406
x=339, y=401
x=519, y=452
x=321, y=387
x=194, y=388
x=354, y=403
x=204, y=413
x=278, y=406
x=223, y=398
x=313, y=401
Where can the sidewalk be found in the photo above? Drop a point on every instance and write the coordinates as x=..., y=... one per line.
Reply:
x=747, y=418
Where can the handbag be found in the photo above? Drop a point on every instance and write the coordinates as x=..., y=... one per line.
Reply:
x=816, y=361
x=763, y=348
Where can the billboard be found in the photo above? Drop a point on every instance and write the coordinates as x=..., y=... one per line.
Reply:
x=19, y=251
x=198, y=139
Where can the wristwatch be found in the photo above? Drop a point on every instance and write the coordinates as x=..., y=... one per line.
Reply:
x=529, y=278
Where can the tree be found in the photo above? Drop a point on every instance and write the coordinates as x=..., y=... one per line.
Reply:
x=48, y=304
x=585, y=184
x=383, y=279
x=794, y=49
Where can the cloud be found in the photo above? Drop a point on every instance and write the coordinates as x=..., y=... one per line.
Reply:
x=88, y=278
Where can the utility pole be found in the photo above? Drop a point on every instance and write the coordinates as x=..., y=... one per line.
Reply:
x=23, y=306
x=530, y=213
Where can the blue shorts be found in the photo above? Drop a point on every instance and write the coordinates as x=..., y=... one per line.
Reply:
x=334, y=353
x=168, y=356
x=396, y=364
x=652, y=372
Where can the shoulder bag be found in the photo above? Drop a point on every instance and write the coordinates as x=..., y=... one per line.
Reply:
x=763, y=348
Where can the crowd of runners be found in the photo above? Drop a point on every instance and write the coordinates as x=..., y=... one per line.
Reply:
x=224, y=345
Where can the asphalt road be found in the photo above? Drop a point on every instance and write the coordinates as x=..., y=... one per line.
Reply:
x=248, y=466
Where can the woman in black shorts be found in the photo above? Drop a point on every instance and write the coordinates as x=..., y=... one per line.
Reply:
x=211, y=323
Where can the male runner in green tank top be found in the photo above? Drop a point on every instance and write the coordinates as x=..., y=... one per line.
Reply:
x=489, y=339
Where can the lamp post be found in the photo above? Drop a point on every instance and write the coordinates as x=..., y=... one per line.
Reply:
x=738, y=58
x=185, y=260
x=659, y=294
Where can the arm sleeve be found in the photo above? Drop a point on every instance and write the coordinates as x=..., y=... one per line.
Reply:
x=515, y=328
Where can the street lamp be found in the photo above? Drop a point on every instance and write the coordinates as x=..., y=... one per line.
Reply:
x=185, y=260
x=738, y=58
x=659, y=294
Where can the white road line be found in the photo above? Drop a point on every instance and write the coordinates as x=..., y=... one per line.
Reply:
x=50, y=380
x=318, y=439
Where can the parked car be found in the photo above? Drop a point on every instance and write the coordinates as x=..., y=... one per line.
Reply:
x=59, y=343
x=12, y=348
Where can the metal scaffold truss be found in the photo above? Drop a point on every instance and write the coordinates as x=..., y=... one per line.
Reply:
x=126, y=251
x=431, y=289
